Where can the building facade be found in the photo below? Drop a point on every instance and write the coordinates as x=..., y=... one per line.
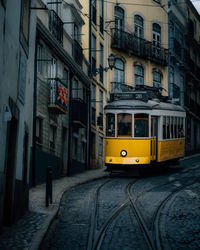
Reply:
x=17, y=48
x=139, y=40
x=184, y=66
x=62, y=92
x=95, y=50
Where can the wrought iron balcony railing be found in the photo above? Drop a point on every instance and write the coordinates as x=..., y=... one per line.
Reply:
x=58, y=96
x=77, y=52
x=56, y=26
x=120, y=87
x=137, y=46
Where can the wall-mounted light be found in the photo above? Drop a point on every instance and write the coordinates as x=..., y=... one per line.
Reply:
x=111, y=64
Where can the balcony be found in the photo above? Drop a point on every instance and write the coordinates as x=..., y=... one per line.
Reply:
x=131, y=44
x=79, y=112
x=56, y=26
x=77, y=52
x=120, y=87
x=58, y=96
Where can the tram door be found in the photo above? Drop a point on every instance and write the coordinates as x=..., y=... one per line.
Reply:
x=154, y=137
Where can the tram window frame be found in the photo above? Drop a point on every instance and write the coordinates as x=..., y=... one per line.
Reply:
x=124, y=135
x=141, y=116
x=112, y=129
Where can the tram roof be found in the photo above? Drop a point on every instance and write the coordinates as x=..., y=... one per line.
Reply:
x=138, y=104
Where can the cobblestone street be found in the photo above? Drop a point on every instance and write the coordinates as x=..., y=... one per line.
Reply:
x=157, y=210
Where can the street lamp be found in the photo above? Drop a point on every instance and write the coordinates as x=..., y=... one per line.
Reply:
x=111, y=64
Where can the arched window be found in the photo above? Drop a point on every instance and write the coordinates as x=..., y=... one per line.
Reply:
x=119, y=18
x=156, y=39
x=157, y=79
x=139, y=26
x=138, y=75
x=119, y=71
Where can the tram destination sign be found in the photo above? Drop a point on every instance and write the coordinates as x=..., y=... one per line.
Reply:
x=133, y=95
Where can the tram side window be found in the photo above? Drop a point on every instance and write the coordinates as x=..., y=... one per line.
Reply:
x=110, y=125
x=175, y=127
x=164, y=127
x=124, y=125
x=172, y=127
x=168, y=127
x=141, y=125
x=180, y=129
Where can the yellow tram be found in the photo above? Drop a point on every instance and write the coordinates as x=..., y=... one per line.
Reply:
x=142, y=131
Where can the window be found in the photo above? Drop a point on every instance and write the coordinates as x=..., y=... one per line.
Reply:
x=119, y=71
x=94, y=55
x=93, y=104
x=75, y=89
x=76, y=32
x=172, y=127
x=110, y=124
x=74, y=147
x=164, y=127
x=119, y=18
x=83, y=150
x=101, y=102
x=124, y=122
x=180, y=127
x=94, y=12
x=176, y=91
x=141, y=125
x=195, y=26
x=66, y=77
x=25, y=18
x=139, y=26
x=52, y=138
x=100, y=146
x=175, y=128
x=157, y=79
x=156, y=32
x=101, y=64
x=101, y=15
x=171, y=75
x=39, y=58
x=168, y=127
x=139, y=75
x=38, y=130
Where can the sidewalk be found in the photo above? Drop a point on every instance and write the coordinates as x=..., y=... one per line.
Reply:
x=29, y=231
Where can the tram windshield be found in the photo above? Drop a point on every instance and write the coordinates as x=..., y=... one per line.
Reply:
x=124, y=122
x=110, y=125
x=141, y=125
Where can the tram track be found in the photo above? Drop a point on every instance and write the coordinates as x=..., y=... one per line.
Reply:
x=97, y=236
x=150, y=233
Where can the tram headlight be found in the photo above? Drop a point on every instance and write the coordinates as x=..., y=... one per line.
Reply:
x=123, y=153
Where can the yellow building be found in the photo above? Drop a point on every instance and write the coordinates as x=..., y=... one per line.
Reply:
x=138, y=39
x=94, y=47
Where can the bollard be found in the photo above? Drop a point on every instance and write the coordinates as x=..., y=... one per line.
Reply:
x=48, y=186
